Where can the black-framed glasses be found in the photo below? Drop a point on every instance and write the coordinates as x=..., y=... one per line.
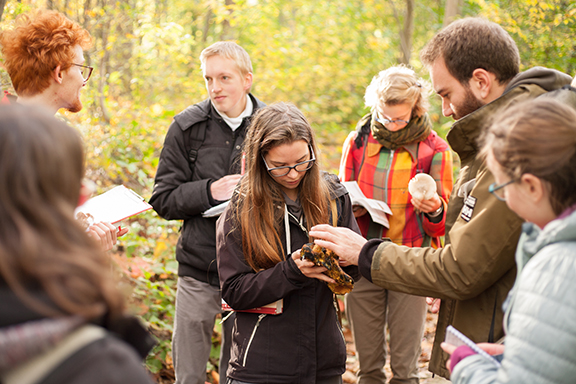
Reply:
x=85, y=71
x=498, y=190
x=300, y=167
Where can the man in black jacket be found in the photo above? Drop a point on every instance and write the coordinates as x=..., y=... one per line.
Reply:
x=199, y=167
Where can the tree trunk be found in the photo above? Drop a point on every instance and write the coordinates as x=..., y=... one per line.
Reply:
x=451, y=10
x=2, y=4
x=207, y=22
x=407, y=30
x=160, y=9
x=104, y=32
x=86, y=25
x=125, y=47
x=226, y=29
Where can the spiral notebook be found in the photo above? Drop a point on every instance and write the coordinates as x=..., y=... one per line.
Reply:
x=457, y=338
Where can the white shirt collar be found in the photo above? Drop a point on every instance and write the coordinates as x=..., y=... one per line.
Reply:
x=234, y=122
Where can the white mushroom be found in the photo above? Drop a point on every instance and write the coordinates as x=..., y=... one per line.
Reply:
x=422, y=187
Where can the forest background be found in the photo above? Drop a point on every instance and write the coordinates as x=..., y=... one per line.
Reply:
x=318, y=54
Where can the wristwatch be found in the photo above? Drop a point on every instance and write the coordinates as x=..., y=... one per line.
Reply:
x=436, y=212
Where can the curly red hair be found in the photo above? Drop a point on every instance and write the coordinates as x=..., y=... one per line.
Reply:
x=37, y=45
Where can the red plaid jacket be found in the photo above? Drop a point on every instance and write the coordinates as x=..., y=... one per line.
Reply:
x=384, y=174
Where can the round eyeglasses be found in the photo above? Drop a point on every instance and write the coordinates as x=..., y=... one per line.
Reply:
x=398, y=122
x=85, y=71
x=300, y=167
x=498, y=190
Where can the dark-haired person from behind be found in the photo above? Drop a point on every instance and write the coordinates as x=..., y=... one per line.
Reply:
x=62, y=317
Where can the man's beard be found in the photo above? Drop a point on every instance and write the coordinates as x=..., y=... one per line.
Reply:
x=469, y=105
x=75, y=107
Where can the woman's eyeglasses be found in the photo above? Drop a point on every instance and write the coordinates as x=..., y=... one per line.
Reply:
x=398, y=122
x=498, y=190
x=300, y=167
x=85, y=71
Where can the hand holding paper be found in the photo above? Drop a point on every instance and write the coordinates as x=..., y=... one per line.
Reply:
x=103, y=211
x=107, y=234
x=376, y=208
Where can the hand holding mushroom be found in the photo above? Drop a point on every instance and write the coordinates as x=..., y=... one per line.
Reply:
x=422, y=187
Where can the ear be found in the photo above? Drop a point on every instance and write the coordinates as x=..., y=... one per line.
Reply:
x=247, y=81
x=57, y=75
x=534, y=187
x=481, y=83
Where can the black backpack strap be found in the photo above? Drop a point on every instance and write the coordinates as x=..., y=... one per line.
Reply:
x=197, y=136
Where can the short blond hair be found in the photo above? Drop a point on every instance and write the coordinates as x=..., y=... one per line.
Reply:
x=229, y=50
x=398, y=85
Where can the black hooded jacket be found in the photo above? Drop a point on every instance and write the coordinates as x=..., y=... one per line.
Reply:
x=303, y=343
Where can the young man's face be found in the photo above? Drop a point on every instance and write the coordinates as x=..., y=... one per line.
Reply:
x=72, y=83
x=457, y=99
x=226, y=86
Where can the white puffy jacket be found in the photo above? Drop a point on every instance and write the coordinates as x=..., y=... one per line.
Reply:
x=540, y=318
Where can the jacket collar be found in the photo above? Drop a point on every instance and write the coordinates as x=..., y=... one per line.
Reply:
x=204, y=110
x=373, y=148
x=533, y=238
x=464, y=134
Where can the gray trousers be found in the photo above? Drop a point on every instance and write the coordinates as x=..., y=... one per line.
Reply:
x=333, y=380
x=369, y=309
x=197, y=304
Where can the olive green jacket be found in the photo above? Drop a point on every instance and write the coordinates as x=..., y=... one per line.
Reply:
x=475, y=270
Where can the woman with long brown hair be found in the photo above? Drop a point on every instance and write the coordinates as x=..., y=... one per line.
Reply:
x=57, y=296
x=281, y=196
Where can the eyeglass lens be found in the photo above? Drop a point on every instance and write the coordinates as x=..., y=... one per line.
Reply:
x=300, y=167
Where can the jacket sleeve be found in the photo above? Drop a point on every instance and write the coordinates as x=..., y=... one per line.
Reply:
x=481, y=251
x=474, y=369
x=441, y=171
x=349, y=221
x=175, y=197
x=242, y=287
x=346, y=172
x=541, y=331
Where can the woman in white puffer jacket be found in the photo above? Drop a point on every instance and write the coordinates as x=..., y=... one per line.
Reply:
x=532, y=154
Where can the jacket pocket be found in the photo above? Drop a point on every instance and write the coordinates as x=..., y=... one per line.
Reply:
x=260, y=317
